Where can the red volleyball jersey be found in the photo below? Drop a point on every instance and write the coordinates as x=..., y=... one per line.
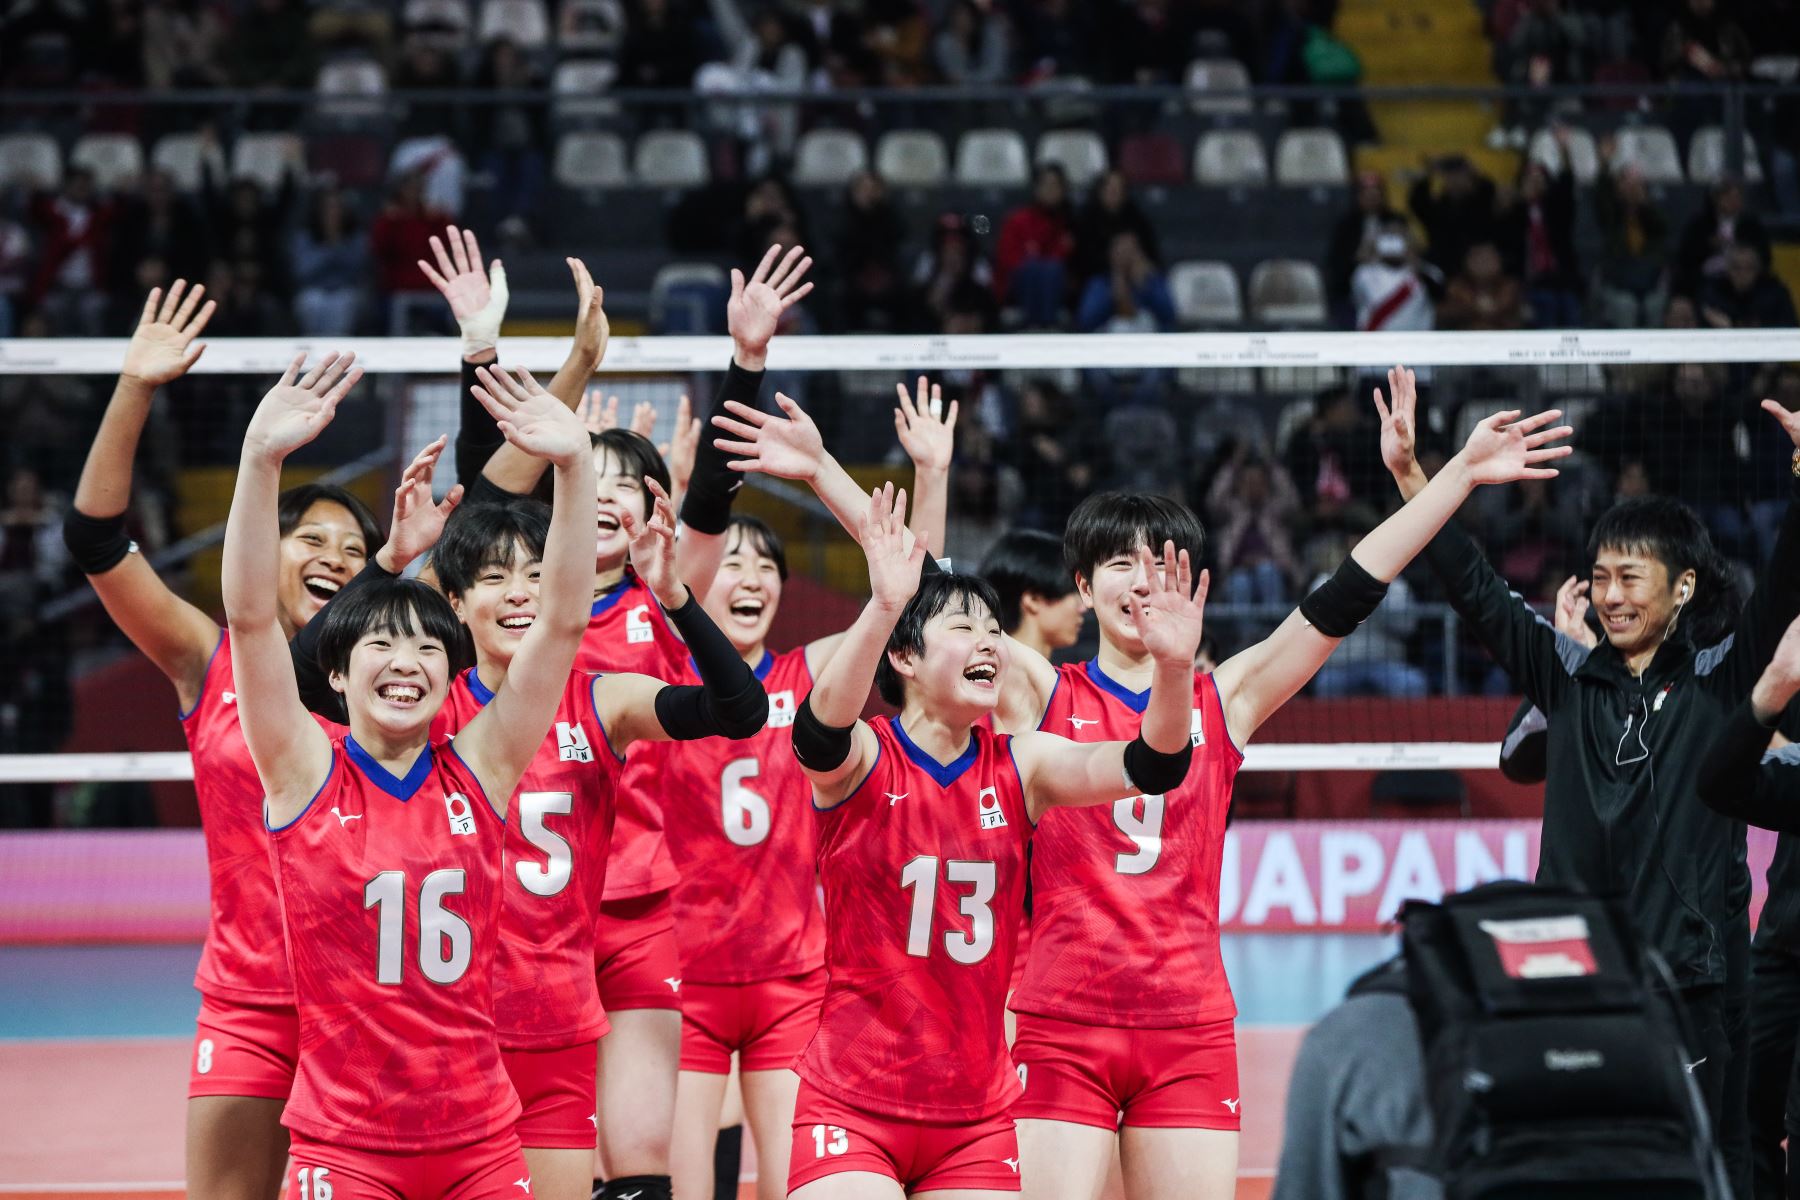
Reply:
x=1125, y=896
x=557, y=830
x=244, y=960
x=628, y=632
x=741, y=828
x=924, y=873
x=390, y=894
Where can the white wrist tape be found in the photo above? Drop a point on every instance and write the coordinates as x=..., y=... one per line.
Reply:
x=481, y=331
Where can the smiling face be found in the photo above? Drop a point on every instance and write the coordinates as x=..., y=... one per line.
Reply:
x=958, y=673
x=318, y=557
x=745, y=592
x=618, y=488
x=1110, y=593
x=395, y=682
x=1636, y=598
x=499, y=605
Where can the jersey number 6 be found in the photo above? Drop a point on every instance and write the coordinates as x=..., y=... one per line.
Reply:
x=746, y=814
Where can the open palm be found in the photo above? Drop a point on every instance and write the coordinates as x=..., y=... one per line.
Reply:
x=1504, y=448
x=529, y=417
x=418, y=521
x=787, y=447
x=1170, y=618
x=652, y=547
x=296, y=409
x=458, y=274
x=592, y=330
x=162, y=346
x=1399, y=422
x=754, y=311
x=927, y=431
x=893, y=566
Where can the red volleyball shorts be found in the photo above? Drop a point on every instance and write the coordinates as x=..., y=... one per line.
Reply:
x=1184, y=1078
x=831, y=1137
x=556, y=1095
x=491, y=1169
x=766, y=1023
x=636, y=962
x=244, y=1050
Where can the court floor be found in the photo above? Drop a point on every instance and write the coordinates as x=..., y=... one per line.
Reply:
x=94, y=1047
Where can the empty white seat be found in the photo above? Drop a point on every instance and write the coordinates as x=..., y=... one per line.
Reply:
x=179, y=154
x=30, y=160
x=1287, y=291
x=671, y=158
x=1230, y=158
x=1583, y=155
x=441, y=23
x=1079, y=152
x=1706, y=157
x=356, y=87
x=829, y=158
x=591, y=25
x=1651, y=149
x=992, y=158
x=912, y=158
x=578, y=85
x=265, y=157
x=1218, y=75
x=591, y=159
x=1206, y=293
x=1776, y=68
x=115, y=159
x=1311, y=158
x=698, y=280
x=523, y=22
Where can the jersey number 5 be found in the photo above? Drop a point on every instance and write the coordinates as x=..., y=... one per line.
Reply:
x=559, y=863
x=445, y=943
x=746, y=814
x=921, y=875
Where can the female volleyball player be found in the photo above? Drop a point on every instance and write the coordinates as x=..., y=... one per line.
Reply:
x=1112, y=1039
x=244, y=1051
x=907, y=1084
x=741, y=827
x=388, y=842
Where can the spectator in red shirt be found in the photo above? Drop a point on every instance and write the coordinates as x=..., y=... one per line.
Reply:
x=399, y=238
x=1036, y=243
x=72, y=229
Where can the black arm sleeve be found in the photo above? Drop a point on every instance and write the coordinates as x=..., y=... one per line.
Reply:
x=1771, y=608
x=477, y=436
x=1523, y=643
x=707, y=506
x=1736, y=781
x=483, y=490
x=315, y=685
x=730, y=701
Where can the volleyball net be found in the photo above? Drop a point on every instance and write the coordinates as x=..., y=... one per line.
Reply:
x=1270, y=437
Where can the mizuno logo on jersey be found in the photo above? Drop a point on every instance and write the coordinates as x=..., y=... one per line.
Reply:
x=991, y=816
x=893, y=799
x=1079, y=722
x=228, y=698
x=572, y=743
x=462, y=817
x=345, y=819
x=674, y=982
x=1013, y=1163
x=781, y=709
x=1232, y=1105
x=524, y=1185
x=637, y=629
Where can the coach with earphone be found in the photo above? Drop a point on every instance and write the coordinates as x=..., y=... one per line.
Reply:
x=1628, y=722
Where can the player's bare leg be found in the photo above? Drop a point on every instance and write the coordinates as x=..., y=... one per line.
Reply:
x=560, y=1173
x=964, y=1194
x=1114, y=1188
x=236, y=1147
x=699, y=1098
x=1179, y=1164
x=1061, y=1160
x=639, y=1061
x=769, y=1110
x=858, y=1185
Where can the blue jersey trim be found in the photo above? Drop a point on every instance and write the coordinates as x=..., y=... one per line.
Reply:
x=612, y=597
x=594, y=708
x=205, y=675
x=1024, y=797
x=400, y=789
x=478, y=689
x=329, y=772
x=945, y=773
x=851, y=794
x=1050, y=700
x=1137, y=702
x=761, y=670
x=472, y=775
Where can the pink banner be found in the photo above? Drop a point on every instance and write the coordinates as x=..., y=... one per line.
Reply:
x=1348, y=876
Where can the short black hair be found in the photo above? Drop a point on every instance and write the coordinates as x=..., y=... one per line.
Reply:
x=1673, y=534
x=479, y=534
x=399, y=606
x=637, y=452
x=1109, y=524
x=761, y=539
x=938, y=592
x=1026, y=562
x=296, y=500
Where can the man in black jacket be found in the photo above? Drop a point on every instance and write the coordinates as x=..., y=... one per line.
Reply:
x=1627, y=723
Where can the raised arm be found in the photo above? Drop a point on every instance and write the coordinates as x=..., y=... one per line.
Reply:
x=292, y=754
x=1503, y=448
x=173, y=634
x=1775, y=601
x=834, y=746
x=927, y=432
x=500, y=742
x=1735, y=778
x=1170, y=619
x=477, y=300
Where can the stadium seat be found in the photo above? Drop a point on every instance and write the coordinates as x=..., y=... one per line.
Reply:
x=1776, y=68
x=688, y=298
x=577, y=85
x=179, y=155
x=829, y=158
x=1230, y=158
x=1079, y=152
x=30, y=160
x=1206, y=75
x=1206, y=293
x=1152, y=159
x=993, y=158
x=442, y=23
x=361, y=82
x=1706, y=157
x=591, y=26
x=590, y=159
x=671, y=158
x=1311, y=158
x=266, y=157
x=1287, y=291
x=523, y=22
x=912, y=158
x=114, y=158
x=1651, y=149
x=1583, y=155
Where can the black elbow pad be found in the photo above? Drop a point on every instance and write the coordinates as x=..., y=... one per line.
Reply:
x=96, y=544
x=1336, y=607
x=1153, y=772
x=818, y=746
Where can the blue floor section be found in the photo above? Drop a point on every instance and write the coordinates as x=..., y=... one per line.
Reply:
x=147, y=991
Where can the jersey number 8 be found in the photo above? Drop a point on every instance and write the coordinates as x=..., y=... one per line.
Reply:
x=445, y=943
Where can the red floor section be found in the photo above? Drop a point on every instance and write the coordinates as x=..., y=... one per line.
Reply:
x=104, y=1119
